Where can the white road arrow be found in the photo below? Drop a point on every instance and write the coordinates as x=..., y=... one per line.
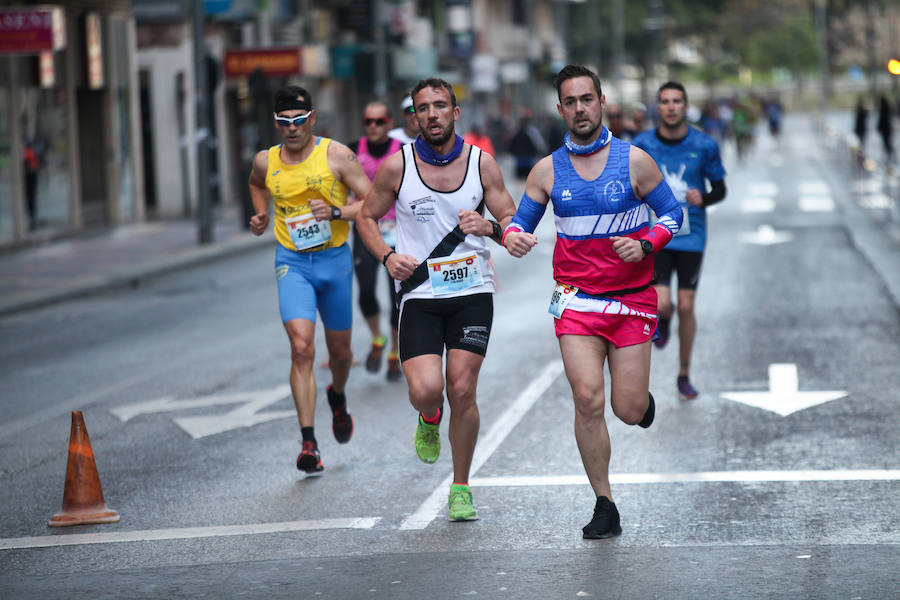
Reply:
x=243, y=416
x=766, y=235
x=783, y=396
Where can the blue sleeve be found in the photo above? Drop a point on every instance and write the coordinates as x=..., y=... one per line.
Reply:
x=714, y=170
x=528, y=215
x=668, y=212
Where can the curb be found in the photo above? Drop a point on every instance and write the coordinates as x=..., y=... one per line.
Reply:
x=879, y=250
x=133, y=277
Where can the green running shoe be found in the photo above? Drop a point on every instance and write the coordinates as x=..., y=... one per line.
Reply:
x=461, y=507
x=428, y=441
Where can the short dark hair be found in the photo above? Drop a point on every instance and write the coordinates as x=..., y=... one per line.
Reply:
x=573, y=71
x=672, y=85
x=433, y=82
x=291, y=97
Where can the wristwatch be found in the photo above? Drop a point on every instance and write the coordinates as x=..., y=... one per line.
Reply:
x=335, y=213
x=647, y=247
x=496, y=231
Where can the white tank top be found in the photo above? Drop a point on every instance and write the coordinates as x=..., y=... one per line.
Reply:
x=425, y=216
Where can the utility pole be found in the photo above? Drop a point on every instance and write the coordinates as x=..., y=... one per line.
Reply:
x=618, y=45
x=871, y=43
x=204, y=210
x=381, y=84
x=824, y=64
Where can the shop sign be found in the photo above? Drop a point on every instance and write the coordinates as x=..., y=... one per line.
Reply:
x=273, y=61
x=31, y=30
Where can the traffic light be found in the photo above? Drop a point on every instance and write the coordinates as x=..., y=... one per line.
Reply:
x=894, y=66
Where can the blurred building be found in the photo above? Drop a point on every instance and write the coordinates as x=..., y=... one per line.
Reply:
x=68, y=98
x=111, y=102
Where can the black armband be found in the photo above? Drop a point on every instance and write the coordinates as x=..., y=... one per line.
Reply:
x=716, y=194
x=384, y=259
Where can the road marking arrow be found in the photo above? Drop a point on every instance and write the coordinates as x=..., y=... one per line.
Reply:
x=243, y=416
x=765, y=235
x=783, y=396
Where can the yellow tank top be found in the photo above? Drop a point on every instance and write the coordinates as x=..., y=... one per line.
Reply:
x=292, y=187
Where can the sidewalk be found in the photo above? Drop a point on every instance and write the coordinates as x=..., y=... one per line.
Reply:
x=113, y=258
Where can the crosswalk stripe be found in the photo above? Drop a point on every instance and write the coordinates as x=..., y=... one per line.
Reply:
x=700, y=477
x=47, y=541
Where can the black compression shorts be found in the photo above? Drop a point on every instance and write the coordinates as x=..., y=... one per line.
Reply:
x=428, y=325
x=686, y=264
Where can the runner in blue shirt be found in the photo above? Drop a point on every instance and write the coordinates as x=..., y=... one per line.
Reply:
x=688, y=159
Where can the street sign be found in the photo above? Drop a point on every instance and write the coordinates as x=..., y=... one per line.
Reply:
x=783, y=396
x=245, y=415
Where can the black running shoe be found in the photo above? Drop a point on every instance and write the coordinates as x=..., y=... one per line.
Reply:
x=309, y=459
x=649, y=414
x=394, y=372
x=661, y=335
x=373, y=360
x=605, y=523
x=341, y=421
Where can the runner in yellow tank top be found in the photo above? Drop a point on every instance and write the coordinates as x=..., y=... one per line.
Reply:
x=308, y=177
x=292, y=186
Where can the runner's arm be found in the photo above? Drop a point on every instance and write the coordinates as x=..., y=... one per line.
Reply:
x=345, y=166
x=518, y=236
x=715, y=194
x=496, y=198
x=382, y=195
x=259, y=194
x=649, y=185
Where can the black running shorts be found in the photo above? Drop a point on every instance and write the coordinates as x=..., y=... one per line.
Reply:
x=428, y=325
x=686, y=264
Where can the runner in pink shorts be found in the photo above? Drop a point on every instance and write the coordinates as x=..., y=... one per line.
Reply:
x=602, y=190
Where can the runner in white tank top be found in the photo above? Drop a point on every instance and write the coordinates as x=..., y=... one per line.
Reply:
x=425, y=215
x=438, y=184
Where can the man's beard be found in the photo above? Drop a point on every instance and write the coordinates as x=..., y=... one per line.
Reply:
x=585, y=136
x=440, y=140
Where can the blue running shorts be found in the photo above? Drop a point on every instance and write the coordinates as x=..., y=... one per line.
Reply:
x=321, y=280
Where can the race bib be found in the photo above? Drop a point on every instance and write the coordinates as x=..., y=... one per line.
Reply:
x=454, y=273
x=388, y=232
x=685, y=223
x=306, y=232
x=562, y=295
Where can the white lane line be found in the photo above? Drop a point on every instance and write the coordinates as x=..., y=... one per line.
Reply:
x=757, y=204
x=429, y=509
x=763, y=188
x=152, y=535
x=816, y=203
x=814, y=188
x=708, y=476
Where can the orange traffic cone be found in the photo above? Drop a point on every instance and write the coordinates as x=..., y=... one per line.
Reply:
x=83, y=499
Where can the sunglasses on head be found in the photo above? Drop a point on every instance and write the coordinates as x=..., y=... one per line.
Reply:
x=379, y=121
x=295, y=121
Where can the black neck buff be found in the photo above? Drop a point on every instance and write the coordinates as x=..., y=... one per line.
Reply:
x=292, y=104
x=427, y=153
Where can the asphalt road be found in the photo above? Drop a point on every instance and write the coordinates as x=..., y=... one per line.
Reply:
x=777, y=482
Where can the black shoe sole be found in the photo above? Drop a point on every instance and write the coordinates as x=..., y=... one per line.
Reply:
x=601, y=535
x=343, y=435
x=647, y=421
x=313, y=469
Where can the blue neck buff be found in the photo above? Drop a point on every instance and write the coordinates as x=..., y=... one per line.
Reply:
x=426, y=152
x=595, y=146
